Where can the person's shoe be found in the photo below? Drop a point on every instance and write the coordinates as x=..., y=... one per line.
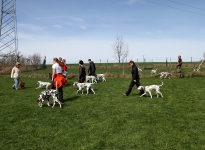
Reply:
x=124, y=95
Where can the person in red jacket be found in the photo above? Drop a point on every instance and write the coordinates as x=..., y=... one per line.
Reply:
x=63, y=66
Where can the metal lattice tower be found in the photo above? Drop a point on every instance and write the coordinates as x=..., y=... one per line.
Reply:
x=8, y=29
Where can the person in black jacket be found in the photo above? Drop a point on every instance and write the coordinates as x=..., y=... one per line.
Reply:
x=135, y=78
x=82, y=73
x=91, y=68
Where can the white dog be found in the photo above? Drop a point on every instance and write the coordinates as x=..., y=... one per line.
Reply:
x=91, y=79
x=41, y=84
x=45, y=95
x=101, y=76
x=154, y=72
x=81, y=86
x=148, y=89
x=139, y=69
x=165, y=75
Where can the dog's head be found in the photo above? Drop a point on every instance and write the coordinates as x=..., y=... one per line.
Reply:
x=75, y=83
x=42, y=96
x=40, y=102
x=140, y=88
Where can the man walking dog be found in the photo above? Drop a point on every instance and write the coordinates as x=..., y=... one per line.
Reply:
x=91, y=68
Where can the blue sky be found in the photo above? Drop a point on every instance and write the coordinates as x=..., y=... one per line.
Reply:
x=82, y=29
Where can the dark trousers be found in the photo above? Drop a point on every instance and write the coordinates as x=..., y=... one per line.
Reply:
x=132, y=83
x=92, y=73
x=60, y=92
x=81, y=80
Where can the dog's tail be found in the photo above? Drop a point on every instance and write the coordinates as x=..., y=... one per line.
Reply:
x=161, y=84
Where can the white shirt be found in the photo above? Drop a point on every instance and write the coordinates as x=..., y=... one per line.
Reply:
x=57, y=67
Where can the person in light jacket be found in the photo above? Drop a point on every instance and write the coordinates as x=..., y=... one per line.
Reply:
x=15, y=74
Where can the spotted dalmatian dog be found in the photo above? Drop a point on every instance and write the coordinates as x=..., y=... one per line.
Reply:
x=45, y=95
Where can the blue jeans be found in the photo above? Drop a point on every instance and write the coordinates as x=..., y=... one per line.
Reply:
x=16, y=83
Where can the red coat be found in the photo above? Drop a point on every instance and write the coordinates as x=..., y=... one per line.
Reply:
x=59, y=80
x=63, y=66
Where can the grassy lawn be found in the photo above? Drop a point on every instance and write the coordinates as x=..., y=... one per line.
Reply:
x=106, y=120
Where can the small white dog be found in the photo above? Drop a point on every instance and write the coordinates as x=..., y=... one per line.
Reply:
x=91, y=79
x=148, y=89
x=101, y=76
x=153, y=72
x=165, y=75
x=139, y=69
x=45, y=95
x=41, y=84
x=81, y=86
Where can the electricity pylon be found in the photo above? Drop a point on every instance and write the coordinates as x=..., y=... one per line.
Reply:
x=8, y=29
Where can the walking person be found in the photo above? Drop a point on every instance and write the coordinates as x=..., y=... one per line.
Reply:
x=91, y=68
x=82, y=73
x=135, y=79
x=15, y=74
x=179, y=67
x=57, y=78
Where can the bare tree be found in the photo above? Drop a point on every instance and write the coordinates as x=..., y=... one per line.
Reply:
x=120, y=49
x=35, y=59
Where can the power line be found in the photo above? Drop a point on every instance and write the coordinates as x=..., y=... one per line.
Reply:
x=174, y=7
x=186, y=5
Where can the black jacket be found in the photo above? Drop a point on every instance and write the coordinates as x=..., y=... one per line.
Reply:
x=135, y=73
x=82, y=72
x=91, y=67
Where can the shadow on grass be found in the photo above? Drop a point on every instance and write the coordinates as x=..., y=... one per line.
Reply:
x=71, y=99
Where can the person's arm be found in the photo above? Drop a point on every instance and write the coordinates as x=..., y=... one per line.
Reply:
x=89, y=68
x=12, y=72
x=53, y=73
x=135, y=73
x=19, y=73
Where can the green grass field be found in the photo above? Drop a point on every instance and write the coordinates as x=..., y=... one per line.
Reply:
x=106, y=120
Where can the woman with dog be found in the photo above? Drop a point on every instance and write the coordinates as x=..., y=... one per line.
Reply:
x=135, y=79
x=15, y=74
x=57, y=78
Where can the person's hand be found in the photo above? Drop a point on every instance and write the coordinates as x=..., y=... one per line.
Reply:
x=134, y=80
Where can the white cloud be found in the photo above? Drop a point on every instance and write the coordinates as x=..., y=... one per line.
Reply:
x=30, y=27
x=57, y=26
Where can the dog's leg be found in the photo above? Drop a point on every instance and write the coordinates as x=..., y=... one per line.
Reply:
x=92, y=90
x=87, y=90
x=54, y=102
x=160, y=93
x=143, y=94
x=38, y=87
x=48, y=103
x=150, y=94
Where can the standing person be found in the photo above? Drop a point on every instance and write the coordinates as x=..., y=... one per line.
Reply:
x=82, y=73
x=57, y=78
x=135, y=78
x=15, y=74
x=63, y=66
x=179, y=66
x=91, y=68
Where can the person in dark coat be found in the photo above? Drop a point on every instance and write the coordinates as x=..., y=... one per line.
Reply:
x=135, y=78
x=82, y=73
x=91, y=68
x=179, y=66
